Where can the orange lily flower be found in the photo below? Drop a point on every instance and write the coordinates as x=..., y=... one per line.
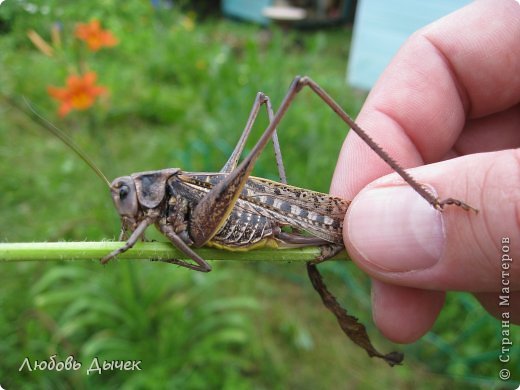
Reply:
x=79, y=93
x=94, y=35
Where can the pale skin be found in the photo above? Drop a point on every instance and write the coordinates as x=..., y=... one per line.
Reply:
x=448, y=104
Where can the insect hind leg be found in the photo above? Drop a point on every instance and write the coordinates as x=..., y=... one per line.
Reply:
x=300, y=82
x=348, y=323
x=327, y=252
x=231, y=164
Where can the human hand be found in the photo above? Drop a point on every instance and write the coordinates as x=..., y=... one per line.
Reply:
x=448, y=104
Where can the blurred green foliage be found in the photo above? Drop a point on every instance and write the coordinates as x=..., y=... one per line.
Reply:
x=180, y=93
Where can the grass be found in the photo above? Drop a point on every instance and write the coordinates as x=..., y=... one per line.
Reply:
x=180, y=96
x=85, y=251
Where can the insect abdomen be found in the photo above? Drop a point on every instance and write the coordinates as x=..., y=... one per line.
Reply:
x=243, y=229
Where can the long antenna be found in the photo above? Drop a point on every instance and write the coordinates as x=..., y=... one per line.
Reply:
x=34, y=115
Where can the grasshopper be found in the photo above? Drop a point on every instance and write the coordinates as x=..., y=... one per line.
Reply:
x=235, y=211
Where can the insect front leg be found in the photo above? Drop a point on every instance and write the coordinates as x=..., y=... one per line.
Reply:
x=128, y=225
x=123, y=235
x=136, y=235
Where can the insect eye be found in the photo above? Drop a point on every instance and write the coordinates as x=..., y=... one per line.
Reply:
x=123, y=192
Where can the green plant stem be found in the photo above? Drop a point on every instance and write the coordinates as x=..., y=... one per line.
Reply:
x=75, y=251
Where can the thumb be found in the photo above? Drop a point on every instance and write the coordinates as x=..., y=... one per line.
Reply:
x=397, y=237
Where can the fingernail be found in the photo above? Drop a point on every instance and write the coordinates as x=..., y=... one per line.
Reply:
x=395, y=229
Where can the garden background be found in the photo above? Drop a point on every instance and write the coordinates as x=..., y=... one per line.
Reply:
x=173, y=88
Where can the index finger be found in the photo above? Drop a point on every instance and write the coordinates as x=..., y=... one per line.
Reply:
x=465, y=65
